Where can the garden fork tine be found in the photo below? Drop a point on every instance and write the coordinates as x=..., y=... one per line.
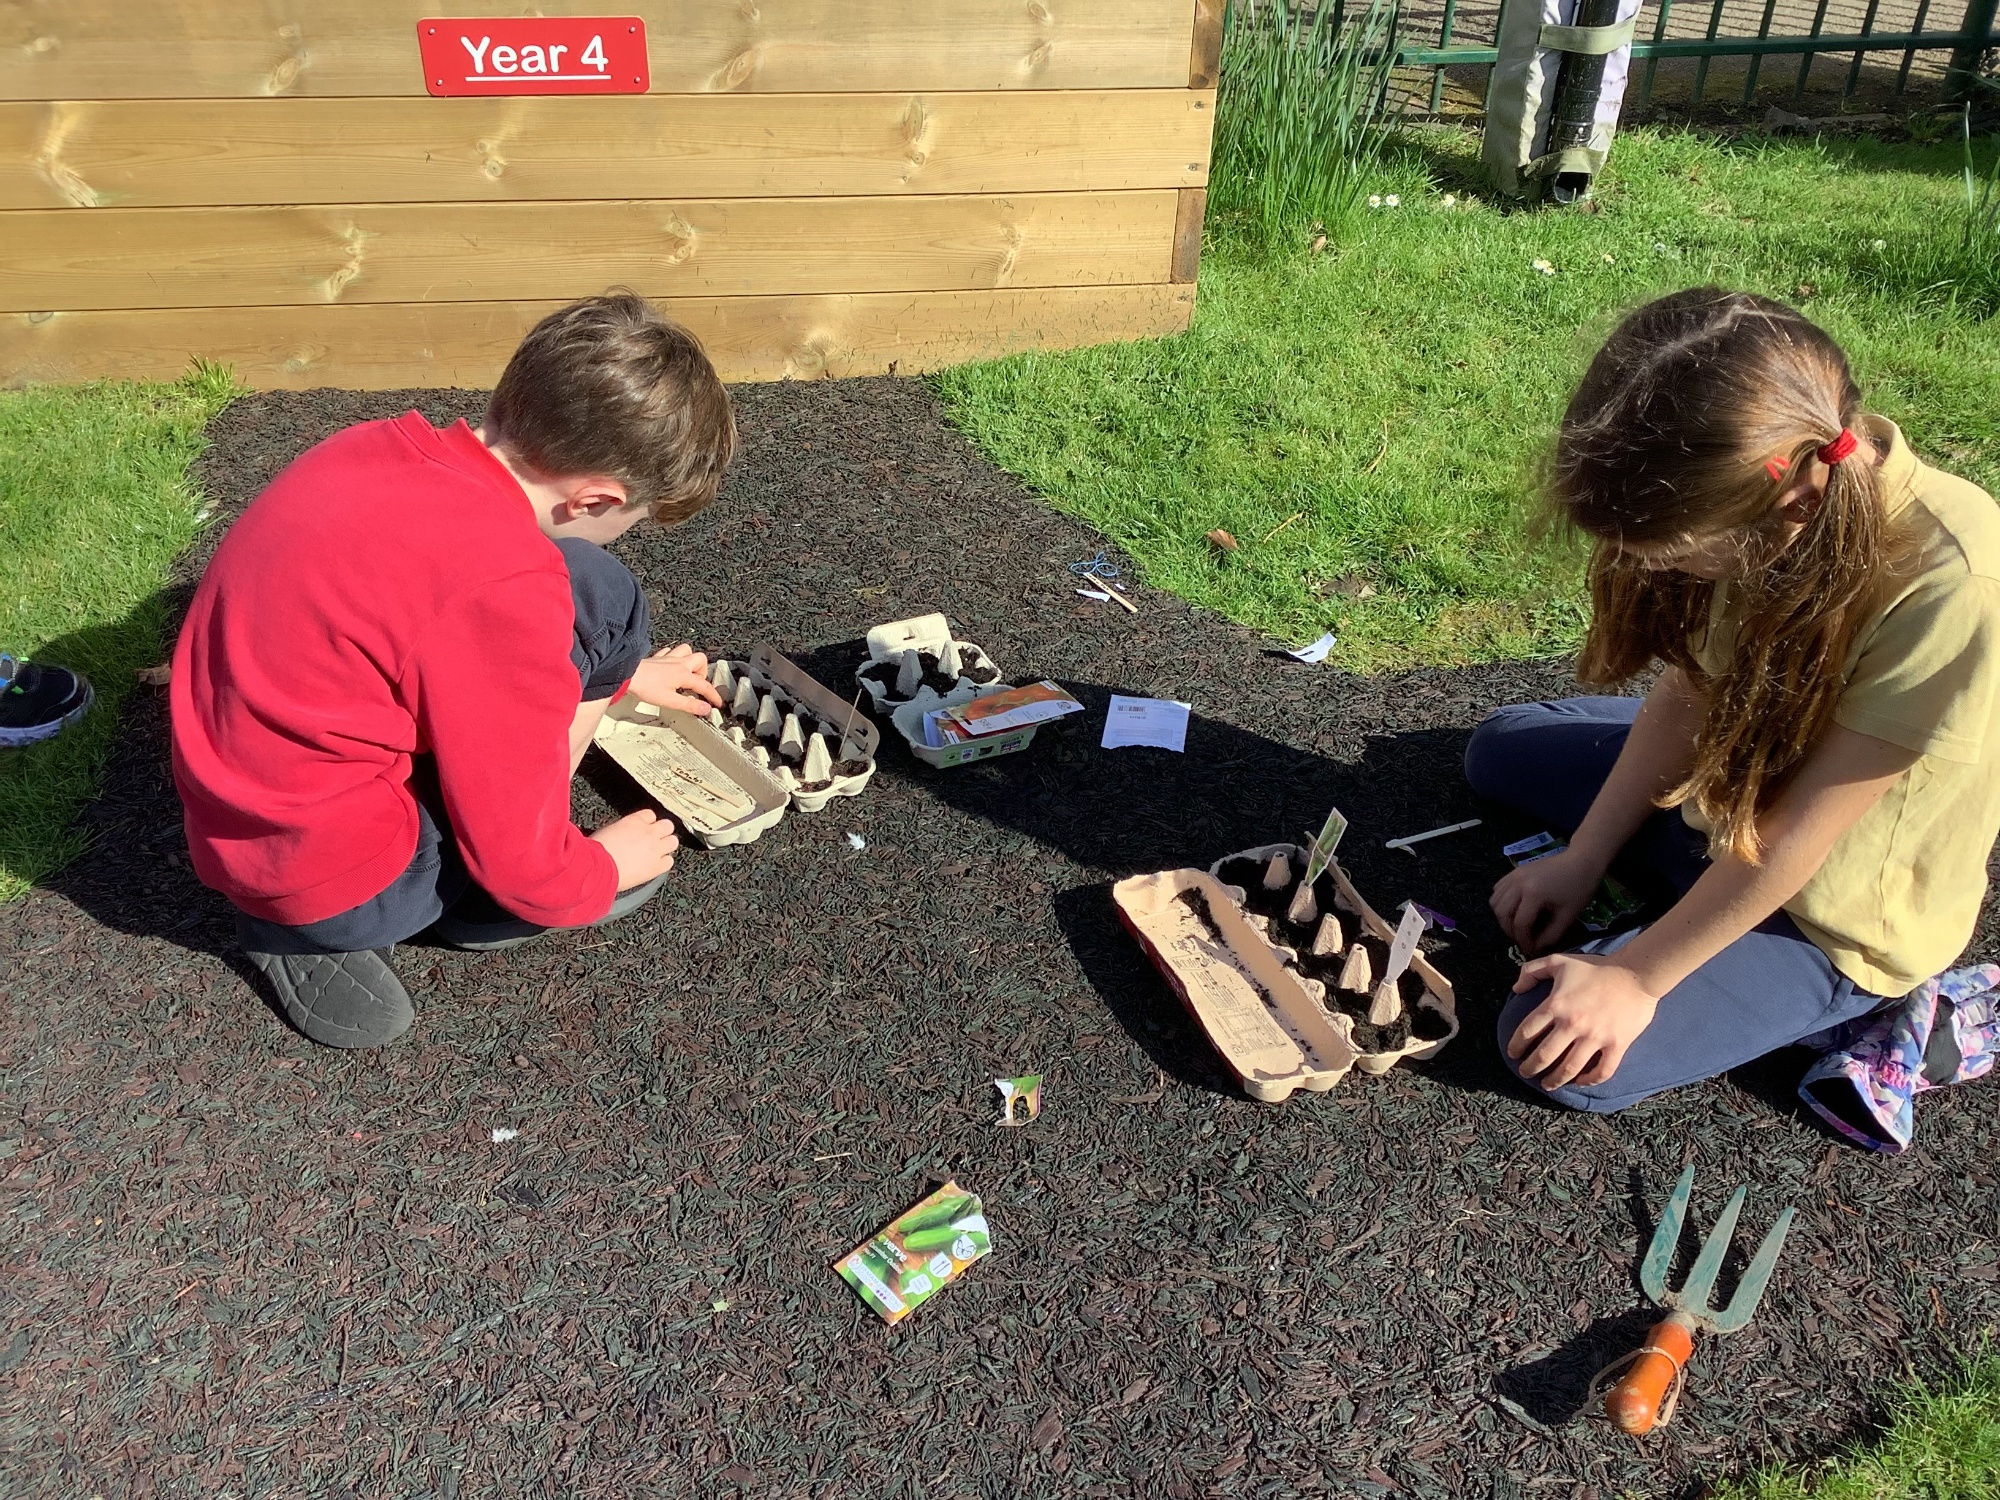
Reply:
x=1648, y=1387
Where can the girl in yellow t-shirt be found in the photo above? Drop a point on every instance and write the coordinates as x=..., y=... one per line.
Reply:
x=1815, y=772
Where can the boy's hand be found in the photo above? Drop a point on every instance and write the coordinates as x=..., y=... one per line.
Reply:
x=1539, y=902
x=676, y=678
x=1596, y=1008
x=641, y=844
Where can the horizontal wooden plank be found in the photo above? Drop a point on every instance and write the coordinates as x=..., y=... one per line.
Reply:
x=174, y=49
x=484, y=252
x=152, y=153
x=384, y=346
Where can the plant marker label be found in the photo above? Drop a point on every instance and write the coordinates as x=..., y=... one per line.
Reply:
x=472, y=56
x=1319, y=854
x=920, y=1251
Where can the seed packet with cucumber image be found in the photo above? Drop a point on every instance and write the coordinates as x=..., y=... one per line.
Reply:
x=905, y=1263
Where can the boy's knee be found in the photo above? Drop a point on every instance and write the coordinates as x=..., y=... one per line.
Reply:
x=613, y=621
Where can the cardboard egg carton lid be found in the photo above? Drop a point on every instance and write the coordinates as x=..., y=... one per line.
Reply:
x=1270, y=1032
x=714, y=791
x=1438, y=996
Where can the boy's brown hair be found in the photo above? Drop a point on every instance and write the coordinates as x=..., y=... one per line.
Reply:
x=1689, y=424
x=610, y=386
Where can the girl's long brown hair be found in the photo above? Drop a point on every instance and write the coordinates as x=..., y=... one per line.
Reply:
x=1665, y=444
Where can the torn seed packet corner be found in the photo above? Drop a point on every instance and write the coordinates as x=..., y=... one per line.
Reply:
x=906, y=1262
x=1025, y=1091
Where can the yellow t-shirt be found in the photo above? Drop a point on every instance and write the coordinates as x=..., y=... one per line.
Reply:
x=1899, y=894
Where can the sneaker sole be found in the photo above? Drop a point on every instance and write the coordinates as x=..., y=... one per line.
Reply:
x=34, y=734
x=345, y=1000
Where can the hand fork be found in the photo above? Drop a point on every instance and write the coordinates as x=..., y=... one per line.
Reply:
x=1648, y=1381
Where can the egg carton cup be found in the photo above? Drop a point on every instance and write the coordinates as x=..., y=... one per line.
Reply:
x=714, y=791
x=909, y=722
x=839, y=723
x=1273, y=1035
x=926, y=635
x=1438, y=997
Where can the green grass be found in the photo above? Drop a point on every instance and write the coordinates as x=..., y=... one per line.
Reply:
x=1943, y=1443
x=1399, y=388
x=94, y=504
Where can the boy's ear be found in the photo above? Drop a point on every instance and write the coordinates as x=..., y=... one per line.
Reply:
x=592, y=495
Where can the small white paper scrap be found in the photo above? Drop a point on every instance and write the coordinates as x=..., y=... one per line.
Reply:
x=1099, y=595
x=1317, y=652
x=856, y=841
x=504, y=1133
x=1160, y=722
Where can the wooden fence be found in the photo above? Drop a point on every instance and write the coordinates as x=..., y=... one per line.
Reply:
x=817, y=187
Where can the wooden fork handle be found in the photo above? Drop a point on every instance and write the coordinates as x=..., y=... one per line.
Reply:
x=1634, y=1402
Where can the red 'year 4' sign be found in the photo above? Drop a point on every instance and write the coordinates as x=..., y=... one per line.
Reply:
x=534, y=55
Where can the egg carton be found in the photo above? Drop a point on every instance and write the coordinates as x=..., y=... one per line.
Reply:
x=711, y=788
x=728, y=777
x=1274, y=1036
x=909, y=722
x=1375, y=1012
x=786, y=724
x=903, y=653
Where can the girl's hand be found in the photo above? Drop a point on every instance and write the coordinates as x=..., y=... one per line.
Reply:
x=1594, y=1012
x=1537, y=903
x=676, y=678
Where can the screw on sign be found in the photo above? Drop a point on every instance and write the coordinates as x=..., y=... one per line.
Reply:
x=473, y=56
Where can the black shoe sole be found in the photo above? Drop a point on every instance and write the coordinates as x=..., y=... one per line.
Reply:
x=343, y=1000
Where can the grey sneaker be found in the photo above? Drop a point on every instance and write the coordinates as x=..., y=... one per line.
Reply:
x=339, y=999
x=482, y=925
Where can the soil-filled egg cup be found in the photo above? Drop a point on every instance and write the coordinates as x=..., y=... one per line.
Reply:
x=1336, y=946
x=811, y=712
x=918, y=661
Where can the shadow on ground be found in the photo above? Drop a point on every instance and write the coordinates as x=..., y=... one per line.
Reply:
x=243, y=1263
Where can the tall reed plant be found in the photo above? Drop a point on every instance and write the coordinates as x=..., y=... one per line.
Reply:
x=1298, y=116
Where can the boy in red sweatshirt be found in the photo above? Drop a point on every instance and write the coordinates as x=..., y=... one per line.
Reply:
x=399, y=654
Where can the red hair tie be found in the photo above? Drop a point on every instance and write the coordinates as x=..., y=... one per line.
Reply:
x=1841, y=447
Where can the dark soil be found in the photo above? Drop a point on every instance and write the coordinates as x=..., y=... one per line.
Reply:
x=239, y=1264
x=938, y=682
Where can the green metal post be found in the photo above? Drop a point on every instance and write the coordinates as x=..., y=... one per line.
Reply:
x=1805, y=63
x=1757, y=58
x=1903, y=75
x=1854, y=69
x=1444, y=40
x=1977, y=31
x=1653, y=63
x=1701, y=68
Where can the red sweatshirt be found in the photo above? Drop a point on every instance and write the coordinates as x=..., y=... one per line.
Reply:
x=389, y=594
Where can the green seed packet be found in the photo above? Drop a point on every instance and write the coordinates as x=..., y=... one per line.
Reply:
x=1608, y=904
x=907, y=1261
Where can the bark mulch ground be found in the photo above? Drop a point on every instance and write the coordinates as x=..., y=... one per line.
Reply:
x=240, y=1264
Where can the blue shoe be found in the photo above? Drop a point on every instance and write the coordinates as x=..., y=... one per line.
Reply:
x=1946, y=1030
x=39, y=702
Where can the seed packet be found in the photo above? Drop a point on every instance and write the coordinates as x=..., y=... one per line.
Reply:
x=1016, y=708
x=1610, y=904
x=1025, y=1091
x=906, y=1262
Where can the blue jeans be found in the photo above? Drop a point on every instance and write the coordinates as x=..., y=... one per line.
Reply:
x=1766, y=990
x=613, y=628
